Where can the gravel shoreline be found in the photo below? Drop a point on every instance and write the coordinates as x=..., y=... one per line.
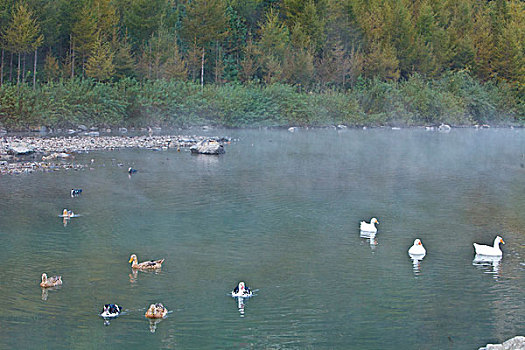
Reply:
x=27, y=154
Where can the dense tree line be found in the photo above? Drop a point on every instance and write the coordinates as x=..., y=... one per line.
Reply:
x=313, y=45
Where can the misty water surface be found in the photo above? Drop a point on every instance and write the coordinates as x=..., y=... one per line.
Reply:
x=280, y=211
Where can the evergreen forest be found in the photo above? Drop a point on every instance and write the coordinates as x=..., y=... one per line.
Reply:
x=250, y=63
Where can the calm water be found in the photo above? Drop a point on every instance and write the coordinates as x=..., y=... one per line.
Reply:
x=280, y=211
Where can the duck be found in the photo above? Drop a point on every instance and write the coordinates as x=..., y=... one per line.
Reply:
x=67, y=213
x=242, y=291
x=48, y=282
x=111, y=310
x=147, y=265
x=488, y=250
x=369, y=227
x=131, y=170
x=156, y=311
x=75, y=192
x=417, y=249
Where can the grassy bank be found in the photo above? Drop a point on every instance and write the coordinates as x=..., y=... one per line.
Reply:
x=456, y=99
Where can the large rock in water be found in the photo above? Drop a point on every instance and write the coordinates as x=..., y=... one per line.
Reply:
x=19, y=149
x=207, y=147
x=516, y=343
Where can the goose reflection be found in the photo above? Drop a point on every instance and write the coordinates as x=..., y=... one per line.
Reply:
x=490, y=264
x=416, y=263
x=370, y=237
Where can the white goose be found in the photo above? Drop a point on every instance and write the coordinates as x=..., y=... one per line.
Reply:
x=417, y=249
x=369, y=227
x=488, y=250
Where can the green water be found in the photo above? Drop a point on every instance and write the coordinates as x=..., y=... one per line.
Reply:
x=281, y=212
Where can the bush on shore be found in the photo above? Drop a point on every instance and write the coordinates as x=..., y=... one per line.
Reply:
x=456, y=98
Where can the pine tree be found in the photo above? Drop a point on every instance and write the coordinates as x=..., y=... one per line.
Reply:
x=23, y=34
x=99, y=65
x=123, y=60
x=249, y=63
x=273, y=46
x=141, y=18
x=51, y=68
x=205, y=23
x=84, y=36
x=5, y=15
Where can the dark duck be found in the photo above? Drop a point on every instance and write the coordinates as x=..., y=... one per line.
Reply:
x=75, y=192
x=111, y=310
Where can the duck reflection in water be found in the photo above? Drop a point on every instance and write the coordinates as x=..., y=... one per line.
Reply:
x=45, y=292
x=240, y=305
x=153, y=324
x=490, y=264
x=133, y=276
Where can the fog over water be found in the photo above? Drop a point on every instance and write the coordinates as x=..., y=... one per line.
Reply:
x=281, y=212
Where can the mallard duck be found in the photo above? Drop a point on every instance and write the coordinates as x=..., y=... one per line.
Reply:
x=417, y=249
x=131, y=170
x=369, y=227
x=488, y=250
x=51, y=281
x=146, y=265
x=241, y=291
x=156, y=311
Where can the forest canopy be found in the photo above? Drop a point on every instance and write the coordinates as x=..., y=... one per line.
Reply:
x=315, y=46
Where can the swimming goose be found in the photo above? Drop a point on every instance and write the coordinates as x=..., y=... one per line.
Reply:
x=417, y=249
x=146, y=265
x=488, y=250
x=156, y=311
x=51, y=281
x=369, y=227
x=241, y=291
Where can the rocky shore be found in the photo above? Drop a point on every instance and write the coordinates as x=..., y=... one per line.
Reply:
x=27, y=154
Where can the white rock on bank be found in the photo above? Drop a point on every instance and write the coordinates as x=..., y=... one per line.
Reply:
x=207, y=147
x=516, y=343
x=19, y=149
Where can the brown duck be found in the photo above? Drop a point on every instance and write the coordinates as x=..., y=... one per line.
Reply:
x=51, y=281
x=146, y=265
x=156, y=311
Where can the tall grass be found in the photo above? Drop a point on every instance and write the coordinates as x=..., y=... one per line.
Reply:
x=455, y=98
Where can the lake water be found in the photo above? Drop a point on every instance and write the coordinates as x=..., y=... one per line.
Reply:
x=281, y=212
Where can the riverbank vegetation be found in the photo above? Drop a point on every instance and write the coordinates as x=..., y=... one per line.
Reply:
x=261, y=63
